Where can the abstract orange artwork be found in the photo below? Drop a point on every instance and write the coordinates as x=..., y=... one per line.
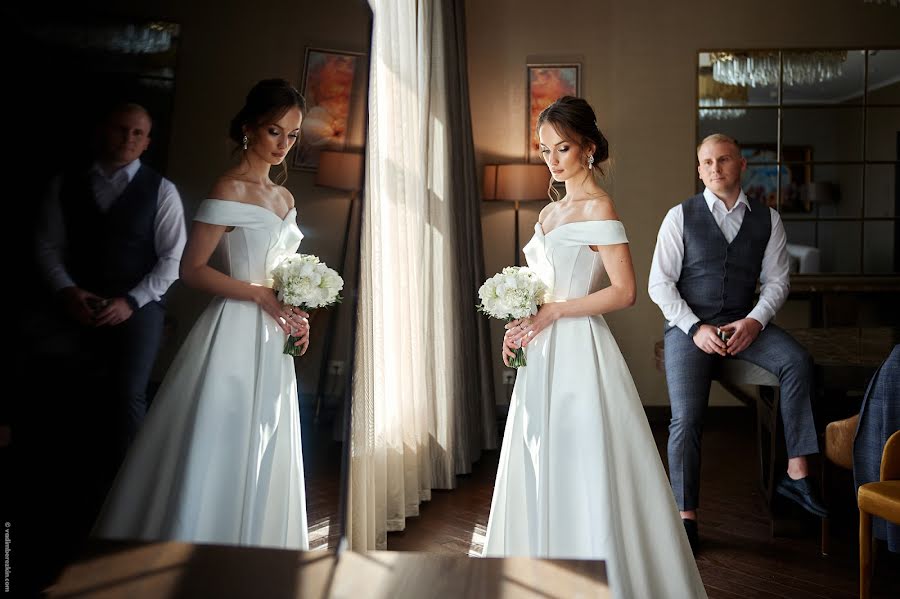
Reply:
x=546, y=83
x=328, y=85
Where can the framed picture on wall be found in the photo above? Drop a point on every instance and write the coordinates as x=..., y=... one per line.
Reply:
x=547, y=83
x=328, y=86
x=760, y=180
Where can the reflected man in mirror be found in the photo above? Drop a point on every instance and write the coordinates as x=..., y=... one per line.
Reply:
x=109, y=244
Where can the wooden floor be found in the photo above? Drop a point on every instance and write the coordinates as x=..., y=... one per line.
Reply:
x=322, y=475
x=738, y=556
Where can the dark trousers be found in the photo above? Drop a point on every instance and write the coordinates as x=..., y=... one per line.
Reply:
x=688, y=375
x=124, y=356
x=86, y=394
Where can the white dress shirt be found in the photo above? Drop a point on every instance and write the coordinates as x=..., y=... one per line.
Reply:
x=169, y=232
x=669, y=255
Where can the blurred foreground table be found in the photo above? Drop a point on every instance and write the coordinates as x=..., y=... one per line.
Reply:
x=168, y=570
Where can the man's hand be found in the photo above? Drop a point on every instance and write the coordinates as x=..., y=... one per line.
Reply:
x=707, y=340
x=79, y=304
x=742, y=333
x=115, y=312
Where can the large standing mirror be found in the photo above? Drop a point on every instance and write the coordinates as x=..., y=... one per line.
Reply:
x=820, y=129
x=192, y=73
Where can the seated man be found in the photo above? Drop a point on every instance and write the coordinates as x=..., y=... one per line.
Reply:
x=711, y=251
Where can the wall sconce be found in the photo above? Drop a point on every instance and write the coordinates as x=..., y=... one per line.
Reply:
x=516, y=183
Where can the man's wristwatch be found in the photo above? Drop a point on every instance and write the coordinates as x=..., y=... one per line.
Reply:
x=132, y=303
x=694, y=328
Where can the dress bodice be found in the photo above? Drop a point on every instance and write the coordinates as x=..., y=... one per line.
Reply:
x=563, y=259
x=259, y=240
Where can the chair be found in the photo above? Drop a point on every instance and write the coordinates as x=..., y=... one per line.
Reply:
x=838, y=450
x=880, y=499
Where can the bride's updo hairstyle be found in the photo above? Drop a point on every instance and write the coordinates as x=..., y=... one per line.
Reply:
x=266, y=103
x=574, y=119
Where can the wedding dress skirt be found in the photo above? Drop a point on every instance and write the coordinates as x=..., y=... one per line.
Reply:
x=579, y=473
x=218, y=457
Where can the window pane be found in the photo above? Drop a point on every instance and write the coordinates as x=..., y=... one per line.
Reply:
x=823, y=190
x=824, y=77
x=755, y=74
x=883, y=133
x=884, y=77
x=839, y=245
x=882, y=197
x=881, y=247
x=822, y=134
x=760, y=180
x=753, y=125
x=803, y=254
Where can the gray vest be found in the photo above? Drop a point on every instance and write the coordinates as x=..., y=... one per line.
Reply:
x=718, y=279
x=110, y=252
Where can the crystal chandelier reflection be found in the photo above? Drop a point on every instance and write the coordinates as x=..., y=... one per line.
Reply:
x=146, y=38
x=714, y=95
x=759, y=69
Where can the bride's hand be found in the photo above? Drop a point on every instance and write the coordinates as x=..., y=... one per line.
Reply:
x=509, y=348
x=283, y=315
x=520, y=332
x=300, y=330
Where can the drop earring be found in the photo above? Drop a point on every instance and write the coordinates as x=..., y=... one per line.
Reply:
x=591, y=162
x=245, y=141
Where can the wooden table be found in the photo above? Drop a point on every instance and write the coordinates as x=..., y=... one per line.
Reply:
x=848, y=346
x=845, y=359
x=180, y=570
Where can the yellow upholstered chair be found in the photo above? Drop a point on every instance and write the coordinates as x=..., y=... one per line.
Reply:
x=881, y=499
x=838, y=450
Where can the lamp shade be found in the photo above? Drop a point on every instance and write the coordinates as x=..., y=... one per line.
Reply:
x=340, y=170
x=821, y=193
x=516, y=182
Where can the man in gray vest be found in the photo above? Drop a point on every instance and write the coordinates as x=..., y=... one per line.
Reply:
x=109, y=245
x=711, y=251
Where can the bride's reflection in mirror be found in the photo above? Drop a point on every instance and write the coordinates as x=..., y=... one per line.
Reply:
x=63, y=441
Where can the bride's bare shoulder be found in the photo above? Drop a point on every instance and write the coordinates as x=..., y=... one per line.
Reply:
x=599, y=208
x=546, y=211
x=227, y=188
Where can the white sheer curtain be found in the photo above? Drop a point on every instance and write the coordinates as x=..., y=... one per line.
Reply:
x=422, y=407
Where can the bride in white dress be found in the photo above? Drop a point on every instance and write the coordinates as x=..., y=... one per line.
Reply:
x=218, y=458
x=579, y=474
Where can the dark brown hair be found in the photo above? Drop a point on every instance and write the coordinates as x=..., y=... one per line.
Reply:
x=574, y=119
x=266, y=102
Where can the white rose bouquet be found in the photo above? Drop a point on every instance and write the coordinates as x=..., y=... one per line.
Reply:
x=302, y=280
x=514, y=293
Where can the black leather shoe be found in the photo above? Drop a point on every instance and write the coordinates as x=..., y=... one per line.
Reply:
x=690, y=527
x=802, y=493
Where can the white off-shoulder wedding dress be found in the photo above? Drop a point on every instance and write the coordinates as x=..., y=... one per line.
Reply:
x=579, y=473
x=218, y=458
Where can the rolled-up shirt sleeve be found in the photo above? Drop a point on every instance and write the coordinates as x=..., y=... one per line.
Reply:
x=169, y=238
x=665, y=270
x=774, y=277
